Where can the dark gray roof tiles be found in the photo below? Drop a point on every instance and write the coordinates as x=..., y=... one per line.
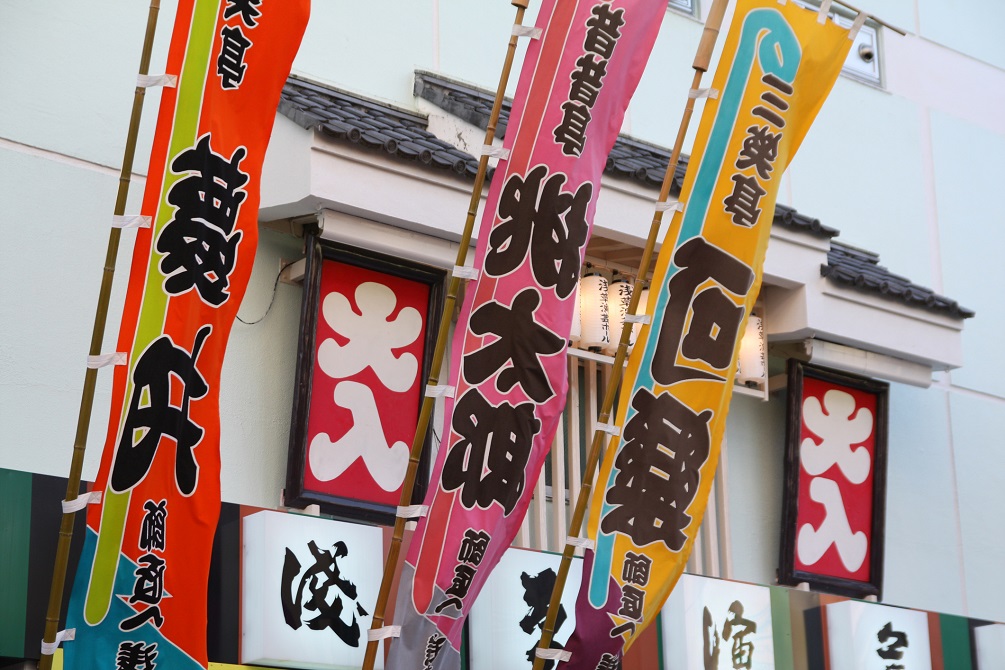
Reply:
x=861, y=269
x=371, y=124
x=382, y=127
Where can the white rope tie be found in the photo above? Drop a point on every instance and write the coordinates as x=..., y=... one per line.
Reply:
x=520, y=30
x=495, y=152
x=608, y=428
x=464, y=272
x=638, y=318
x=80, y=502
x=375, y=634
x=104, y=360
x=131, y=221
x=440, y=391
x=580, y=542
x=49, y=648
x=696, y=93
x=154, y=80
x=560, y=655
x=825, y=8
x=857, y=25
x=412, y=511
x=676, y=206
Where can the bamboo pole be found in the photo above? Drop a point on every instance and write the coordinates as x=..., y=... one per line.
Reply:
x=700, y=65
x=453, y=286
x=97, y=336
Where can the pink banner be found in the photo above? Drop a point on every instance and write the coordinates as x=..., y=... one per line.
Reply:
x=509, y=364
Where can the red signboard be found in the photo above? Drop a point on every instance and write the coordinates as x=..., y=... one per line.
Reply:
x=835, y=471
x=360, y=379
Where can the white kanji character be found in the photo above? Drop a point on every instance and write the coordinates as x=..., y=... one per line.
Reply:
x=834, y=424
x=812, y=543
x=372, y=338
x=386, y=463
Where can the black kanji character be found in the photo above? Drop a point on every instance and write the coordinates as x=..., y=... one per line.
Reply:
x=760, y=149
x=715, y=319
x=609, y=662
x=742, y=203
x=434, y=644
x=489, y=460
x=319, y=579
x=153, y=527
x=248, y=9
x=894, y=642
x=458, y=589
x=658, y=470
x=199, y=243
x=230, y=66
x=587, y=79
x=571, y=133
x=548, y=221
x=521, y=340
x=632, y=602
x=148, y=589
x=151, y=415
x=136, y=656
x=709, y=641
x=739, y=628
x=635, y=569
x=604, y=30
x=537, y=594
x=627, y=627
x=473, y=546
x=769, y=115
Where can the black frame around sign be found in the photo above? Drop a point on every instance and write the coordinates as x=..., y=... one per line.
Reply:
x=318, y=251
x=787, y=574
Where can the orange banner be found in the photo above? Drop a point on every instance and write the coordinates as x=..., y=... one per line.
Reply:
x=140, y=589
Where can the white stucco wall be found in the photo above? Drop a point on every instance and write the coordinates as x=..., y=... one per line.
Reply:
x=912, y=172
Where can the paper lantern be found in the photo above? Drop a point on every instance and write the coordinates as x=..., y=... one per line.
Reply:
x=593, y=306
x=576, y=334
x=753, y=352
x=641, y=309
x=619, y=297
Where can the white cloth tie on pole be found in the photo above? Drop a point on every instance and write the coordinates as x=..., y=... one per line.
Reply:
x=412, y=511
x=375, y=634
x=532, y=32
x=80, y=502
x=608, y=428
x=440, y=391
x=560, y=655
x=677, y=206
x=638, y=318
x=464, y=272
x=131, y=221
x=153, y=80
x=857, y=25
x=104, y=360
x=696, y=93
x=825, y=8
x=495, y=152
x=580, y=542
x=49, y=648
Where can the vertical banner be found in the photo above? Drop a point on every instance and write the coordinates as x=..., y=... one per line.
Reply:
x=509, y=365
x=778, y=64
x=139, y=597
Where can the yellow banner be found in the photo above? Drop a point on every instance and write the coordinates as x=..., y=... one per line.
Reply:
x=779, y=62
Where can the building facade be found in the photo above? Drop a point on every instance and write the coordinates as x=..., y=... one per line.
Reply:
x=883, y=264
